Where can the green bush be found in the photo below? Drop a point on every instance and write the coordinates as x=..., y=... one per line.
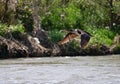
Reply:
x=56, y=35
x=76, y=15
x=3, y=28
x=71, y=15
x=25, y=16
x=13, y=28
x=101, y=35
x=18, y=27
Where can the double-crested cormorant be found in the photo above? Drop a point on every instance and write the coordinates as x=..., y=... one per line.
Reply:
x=84, y=36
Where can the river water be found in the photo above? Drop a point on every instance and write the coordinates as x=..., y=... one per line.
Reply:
x=61, y=70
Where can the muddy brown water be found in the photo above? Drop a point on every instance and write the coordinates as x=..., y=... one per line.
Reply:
x=61, y=70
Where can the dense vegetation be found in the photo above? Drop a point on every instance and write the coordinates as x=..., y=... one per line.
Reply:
x=101, y=18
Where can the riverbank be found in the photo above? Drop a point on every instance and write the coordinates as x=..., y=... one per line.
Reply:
x=28, y=46
x=28, y=29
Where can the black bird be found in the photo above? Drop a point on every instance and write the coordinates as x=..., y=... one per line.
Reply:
x=84, y=36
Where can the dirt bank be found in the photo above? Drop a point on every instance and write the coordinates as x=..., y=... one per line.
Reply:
x=28, y=46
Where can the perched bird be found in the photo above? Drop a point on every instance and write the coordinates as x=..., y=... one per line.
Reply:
x=84, y=36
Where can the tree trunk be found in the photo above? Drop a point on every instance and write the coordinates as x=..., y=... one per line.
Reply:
x=111, y=13
x=38, y=31
x=37, y=26
x=36, y=17
x=9, y=11
x=5, y=11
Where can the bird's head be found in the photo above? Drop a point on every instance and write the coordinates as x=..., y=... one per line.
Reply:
x=76, y=31
x=79, y=31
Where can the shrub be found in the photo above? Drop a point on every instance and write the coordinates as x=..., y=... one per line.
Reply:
x=101, y=35
x=13, y=28
x=56, y=35
x=3, y=28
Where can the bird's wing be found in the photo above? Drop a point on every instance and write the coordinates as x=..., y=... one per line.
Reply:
x=70, y=36
x=84, y=40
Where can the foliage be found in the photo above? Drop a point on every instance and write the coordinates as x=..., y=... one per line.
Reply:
x=101, y=35
x=14, y=28
x=17, y=27
x=56, y=35
x=2, y=29
x=26, y=19
x=78, y=14
x=65, y=14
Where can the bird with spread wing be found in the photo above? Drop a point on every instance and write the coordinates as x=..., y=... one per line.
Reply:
x=84, y=36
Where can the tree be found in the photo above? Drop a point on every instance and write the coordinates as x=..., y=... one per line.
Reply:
x=36, y=17
x=9, y=11
x=111, y=13
x=37, y=30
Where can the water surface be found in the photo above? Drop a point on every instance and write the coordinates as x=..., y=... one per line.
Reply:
x=61, y=70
